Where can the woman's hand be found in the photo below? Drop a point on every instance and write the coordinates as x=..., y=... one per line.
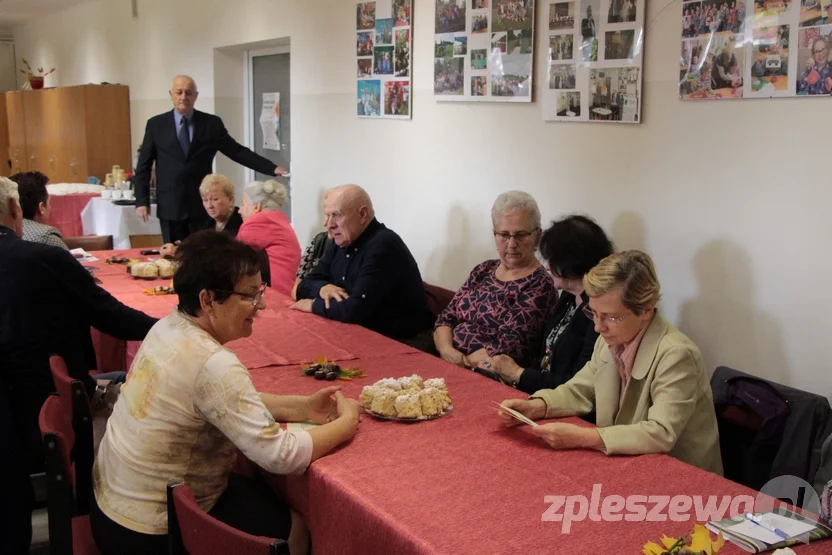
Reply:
x=347, y=410
x=505, y=366
x=454, y=357
x=559, y=435
x=476, y=358
x=533, y=409
x=321, y=406
x=168, y=249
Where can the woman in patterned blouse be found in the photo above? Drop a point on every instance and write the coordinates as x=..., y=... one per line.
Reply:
x=504, y=303
x=34, y=202
x=571, y=247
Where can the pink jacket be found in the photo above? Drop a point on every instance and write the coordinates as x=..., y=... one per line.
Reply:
x=271, y=231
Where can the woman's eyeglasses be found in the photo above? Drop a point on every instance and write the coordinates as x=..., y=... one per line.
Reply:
x=520, y=236
x=254, y=297
x=589, y=313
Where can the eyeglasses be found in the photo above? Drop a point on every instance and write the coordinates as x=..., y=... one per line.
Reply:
x=254, y=297
x=819, y=51
x=589, y=313
x=520, y=236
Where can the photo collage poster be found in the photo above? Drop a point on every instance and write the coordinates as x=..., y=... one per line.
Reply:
x=594, y=60
x=755, y=49
x=483, y=50
x=384, y=46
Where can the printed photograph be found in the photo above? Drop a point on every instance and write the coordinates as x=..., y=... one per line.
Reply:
x=498, y=42
x=519, y=41
x=511, y=76
x=403, y=53
x=562, y=76
x=365, y=68
x=560, y=47
x=620, y=45
x=815, y=13
x=479, y=86
x=479, y=4
x=397, y=98
x=770, y=55
x=569, y=104
x=479, y=58
x=383, y=60
x=713, y=69
x=622, y=11
x=814, y=70
x=589, y=30
x=507, y=15
x=448, y=76
x=450, y=16
x=384, y=31
x=460, y=45
x=770, y=7
x=561, y=16
x=401, y=13
x=364, y=45
x=614, y=94
x=365, y=15
x=444, y=46
x=369, y=98
x=479, y=24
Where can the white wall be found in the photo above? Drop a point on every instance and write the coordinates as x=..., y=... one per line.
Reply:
x=730, y=198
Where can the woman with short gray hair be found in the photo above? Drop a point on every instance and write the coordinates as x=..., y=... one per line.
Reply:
x=503, y=306
x=268, y=229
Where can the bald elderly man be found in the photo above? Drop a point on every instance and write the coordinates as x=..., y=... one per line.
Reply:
x=183, y=144
x=368, y=277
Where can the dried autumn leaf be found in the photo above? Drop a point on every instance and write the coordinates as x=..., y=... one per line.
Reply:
x=320, y=360
x=701, y=541
x=669, y=542
x=652, y=548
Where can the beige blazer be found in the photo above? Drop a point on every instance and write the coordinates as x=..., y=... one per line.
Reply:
x=667, y=406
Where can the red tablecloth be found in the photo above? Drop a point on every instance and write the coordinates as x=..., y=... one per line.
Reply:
x=458, y=484
x=66, y=213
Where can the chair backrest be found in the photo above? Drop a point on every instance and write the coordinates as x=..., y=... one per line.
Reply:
x=90, y=243
x=438, y=298
x=57, y=442
x=77, y=410
x=192, y=530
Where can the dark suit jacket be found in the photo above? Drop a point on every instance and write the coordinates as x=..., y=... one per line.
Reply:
x=178, y=177
x=571, y=352
x=48, y=302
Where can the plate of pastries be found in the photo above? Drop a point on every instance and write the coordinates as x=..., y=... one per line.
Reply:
x=156, y=269
x=407, y=399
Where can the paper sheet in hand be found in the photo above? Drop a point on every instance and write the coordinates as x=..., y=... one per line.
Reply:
x=516, y=415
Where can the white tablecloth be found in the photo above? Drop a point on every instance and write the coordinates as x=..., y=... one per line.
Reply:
x=102, y=217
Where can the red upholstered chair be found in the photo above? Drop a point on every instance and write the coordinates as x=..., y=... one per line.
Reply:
x=68, y=535
x=192, y=530
x=76, y=407
x=438, y=298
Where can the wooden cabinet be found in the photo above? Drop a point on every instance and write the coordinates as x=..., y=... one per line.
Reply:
x=70, y=133
x=5, y=158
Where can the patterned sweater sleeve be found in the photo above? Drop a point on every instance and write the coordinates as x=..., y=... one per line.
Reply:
x=451, y=316
x=226, y=398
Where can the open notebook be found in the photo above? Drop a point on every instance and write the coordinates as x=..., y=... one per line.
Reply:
x=757, y=539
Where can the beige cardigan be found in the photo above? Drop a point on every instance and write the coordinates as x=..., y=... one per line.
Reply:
x=667, y=406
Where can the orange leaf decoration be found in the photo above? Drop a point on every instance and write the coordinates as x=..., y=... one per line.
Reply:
x=700, y=542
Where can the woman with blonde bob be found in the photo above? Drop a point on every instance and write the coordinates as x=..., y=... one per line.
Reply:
x=646, y=380
x=268, y=229
x=217, y=192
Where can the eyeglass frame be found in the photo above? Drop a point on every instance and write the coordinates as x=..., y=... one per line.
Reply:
x=505, y=237
x=589, y=313
x=254, y=297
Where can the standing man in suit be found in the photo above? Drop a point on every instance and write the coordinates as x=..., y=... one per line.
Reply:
x=183, y=144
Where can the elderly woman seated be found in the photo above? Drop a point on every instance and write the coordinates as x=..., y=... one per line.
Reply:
x=268, y=229
x=503, y=306
x=189, y=405
x=645, y=380
x=34, y=203
x=217, y=192
x=571, y=247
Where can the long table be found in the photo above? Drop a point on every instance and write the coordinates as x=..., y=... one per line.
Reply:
x=458, y=484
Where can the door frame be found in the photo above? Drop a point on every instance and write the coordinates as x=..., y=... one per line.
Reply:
x=248, y=101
